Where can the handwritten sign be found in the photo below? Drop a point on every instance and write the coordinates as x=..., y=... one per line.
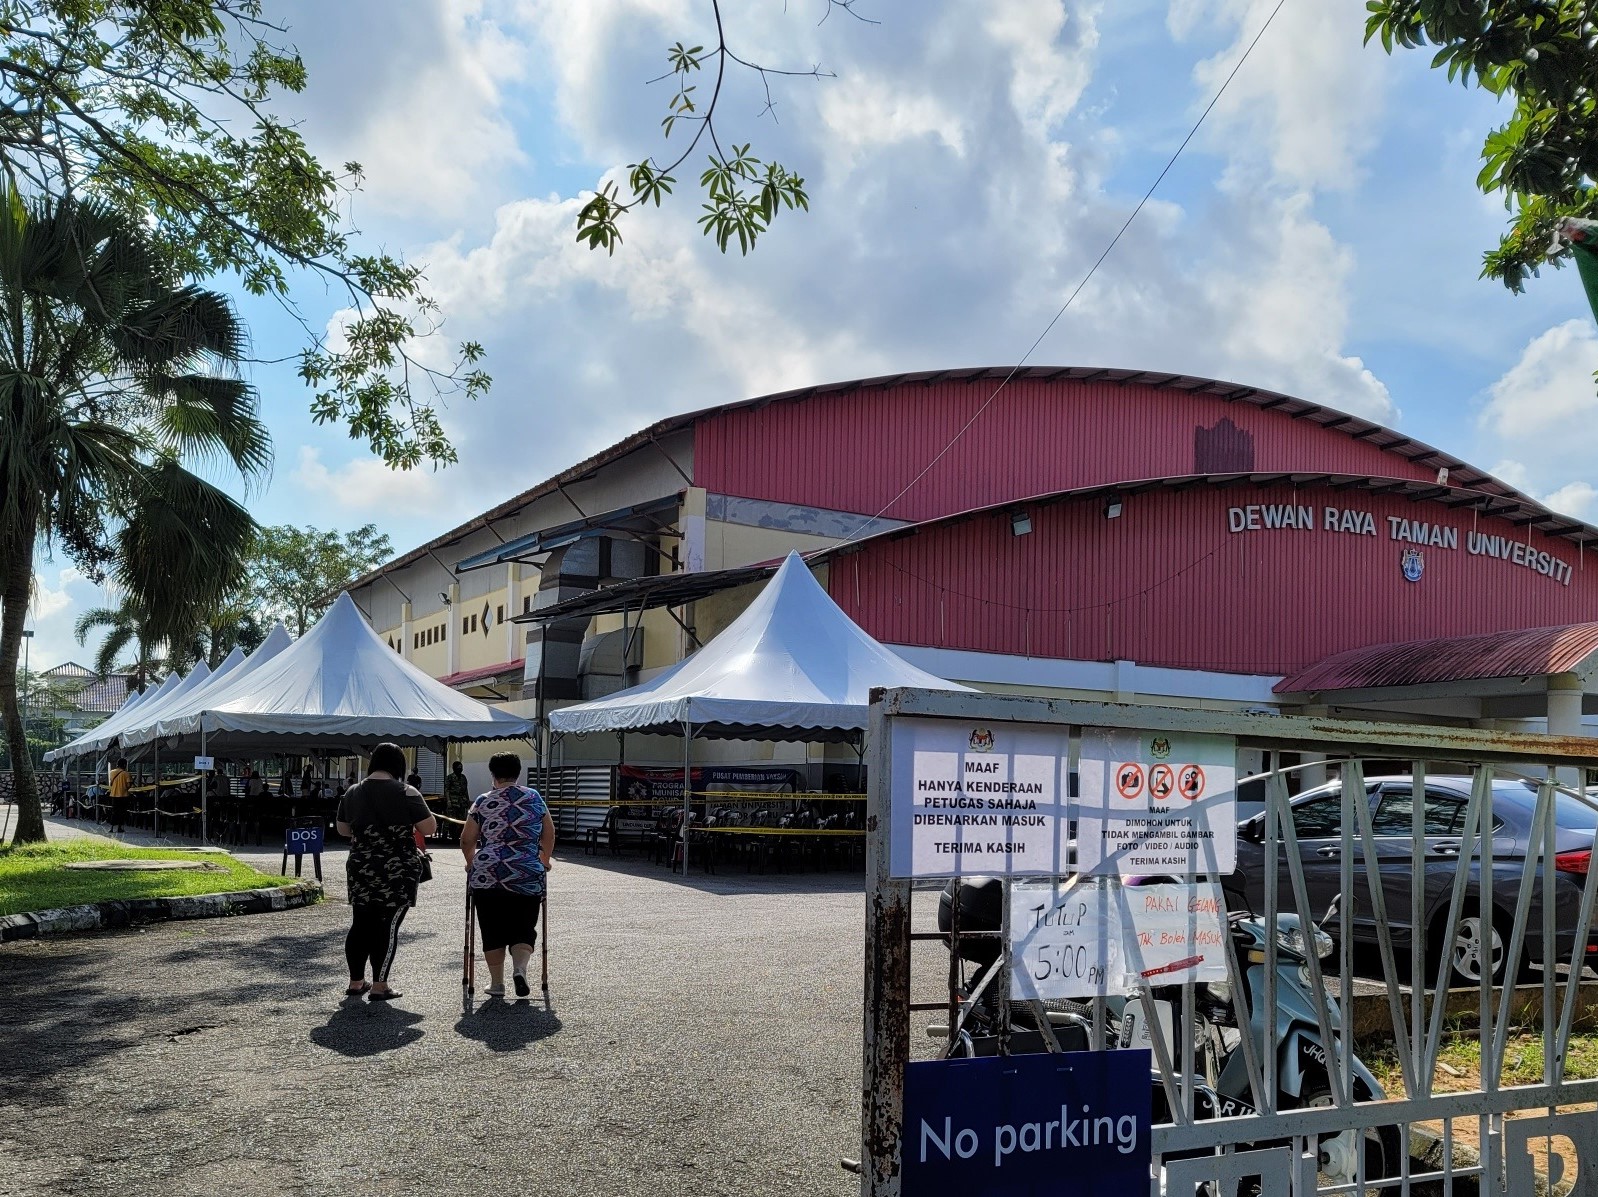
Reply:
x=1174, y=933
x=1087, y=939
x=980, y=799
x=1181, y=821
x=1065, y=941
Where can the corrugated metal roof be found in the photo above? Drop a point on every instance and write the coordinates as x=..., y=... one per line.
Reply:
x=1461, y=473
x=484, y=673
x=1524, y=652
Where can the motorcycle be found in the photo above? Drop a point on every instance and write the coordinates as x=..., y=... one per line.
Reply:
x=1221, y=1086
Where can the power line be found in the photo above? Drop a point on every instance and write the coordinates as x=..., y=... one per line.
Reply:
x=1086, y=278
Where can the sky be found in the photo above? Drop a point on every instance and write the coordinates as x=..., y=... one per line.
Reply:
x=966, y=164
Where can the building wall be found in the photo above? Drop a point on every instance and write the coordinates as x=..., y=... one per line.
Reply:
x=645, y=474
x=857, y=449
x=1170, y=584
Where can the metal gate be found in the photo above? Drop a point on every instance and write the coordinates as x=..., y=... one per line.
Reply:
x=1486, y=856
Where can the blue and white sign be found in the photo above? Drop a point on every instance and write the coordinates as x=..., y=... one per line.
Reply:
x=299, y=840
x=1028, y=1126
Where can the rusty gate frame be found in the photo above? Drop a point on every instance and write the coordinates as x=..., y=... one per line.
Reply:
x=888, y=938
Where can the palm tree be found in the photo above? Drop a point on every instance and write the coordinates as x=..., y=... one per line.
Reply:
x=113, y=372
x=125, y=628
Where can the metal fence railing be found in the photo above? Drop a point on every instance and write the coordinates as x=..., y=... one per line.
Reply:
x=1369, y=985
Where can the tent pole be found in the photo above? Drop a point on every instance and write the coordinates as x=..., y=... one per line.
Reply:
x=205, y=791
x=687, y=790
x=156, y=816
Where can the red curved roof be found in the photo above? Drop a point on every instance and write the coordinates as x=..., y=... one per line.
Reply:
x=1523, y=652
x=729, y=444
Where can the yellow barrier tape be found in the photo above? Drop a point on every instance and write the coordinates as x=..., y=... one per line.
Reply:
x=697, y=796
x=165, y=784
x=782, y=830
x=780, y=796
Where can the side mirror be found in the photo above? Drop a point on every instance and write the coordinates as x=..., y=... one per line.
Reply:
x=1254, y=830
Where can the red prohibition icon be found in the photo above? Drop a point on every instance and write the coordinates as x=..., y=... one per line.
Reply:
x=1190, y=782
x=1162, y=780
x=1129, y=780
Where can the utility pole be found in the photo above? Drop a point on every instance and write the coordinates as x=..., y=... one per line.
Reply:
x=27, y=681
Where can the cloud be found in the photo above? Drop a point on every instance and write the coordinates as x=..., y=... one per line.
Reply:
x=60, y=595
x=1548, y=395
x=1579, y=499
x=420, y=93
x=1307, y=105
x=364, y=487
x=961, y=184
x=1542, y=415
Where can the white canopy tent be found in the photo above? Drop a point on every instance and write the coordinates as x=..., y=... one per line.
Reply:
x=153, y=723
x=337, y=686
x=793, y=666
x=98, y=739
x=78, y=746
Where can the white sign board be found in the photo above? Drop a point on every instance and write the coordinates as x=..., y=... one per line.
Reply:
x=203, y=764
x=1156, y=803
x=1065, y=941
x=1173, y=933
x=1081, y=939
x=978, y=799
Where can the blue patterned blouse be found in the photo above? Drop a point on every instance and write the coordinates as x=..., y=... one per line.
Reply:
x=509, y=822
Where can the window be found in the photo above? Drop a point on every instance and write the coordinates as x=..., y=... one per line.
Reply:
x=527, y=603
x=499, y=613
x=1395, y=816
x=465, y=625
x=1320, y=819
x=473, y=622
x=416, y=641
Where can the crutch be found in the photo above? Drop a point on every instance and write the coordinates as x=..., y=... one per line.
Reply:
x=549, y=1006
x=469, y=956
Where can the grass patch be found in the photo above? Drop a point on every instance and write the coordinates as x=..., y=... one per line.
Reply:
x=1523, y=1061
x=32, y=876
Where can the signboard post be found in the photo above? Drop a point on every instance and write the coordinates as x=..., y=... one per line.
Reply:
x=1028, y=1126
x=300, y=837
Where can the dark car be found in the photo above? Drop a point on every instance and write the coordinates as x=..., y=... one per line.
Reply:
x=1483, y=935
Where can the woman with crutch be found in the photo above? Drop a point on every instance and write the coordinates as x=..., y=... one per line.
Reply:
x=507, y=842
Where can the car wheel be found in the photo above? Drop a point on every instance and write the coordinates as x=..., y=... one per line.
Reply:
x=1481, y=945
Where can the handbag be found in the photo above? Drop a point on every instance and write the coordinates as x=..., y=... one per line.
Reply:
x=427, y=868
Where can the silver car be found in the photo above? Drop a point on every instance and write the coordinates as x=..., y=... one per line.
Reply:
x=1482, y=941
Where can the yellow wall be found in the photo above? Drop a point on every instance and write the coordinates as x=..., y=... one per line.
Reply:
x=728, y=546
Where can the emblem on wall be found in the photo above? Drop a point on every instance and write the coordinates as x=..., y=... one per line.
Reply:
x=981, y=740
x=1413, y=563
x=1160, y=748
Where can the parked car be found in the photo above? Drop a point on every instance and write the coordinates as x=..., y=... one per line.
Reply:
x=1483, y=937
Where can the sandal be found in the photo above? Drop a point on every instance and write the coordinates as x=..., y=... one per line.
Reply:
x=359, y=991
x=388, y=995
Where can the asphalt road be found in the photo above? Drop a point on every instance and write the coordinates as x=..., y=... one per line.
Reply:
x=705, y=1040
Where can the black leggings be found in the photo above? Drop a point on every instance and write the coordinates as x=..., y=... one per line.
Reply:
x=374, y=936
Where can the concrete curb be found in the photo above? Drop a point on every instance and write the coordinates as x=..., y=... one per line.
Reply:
x=99, y=916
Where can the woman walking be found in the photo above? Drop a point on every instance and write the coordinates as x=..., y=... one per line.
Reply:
x=507, y=841
x=381, y=817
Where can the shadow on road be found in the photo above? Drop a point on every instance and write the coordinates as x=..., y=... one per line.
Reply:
x=510, y=1026
x=359, y=1029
